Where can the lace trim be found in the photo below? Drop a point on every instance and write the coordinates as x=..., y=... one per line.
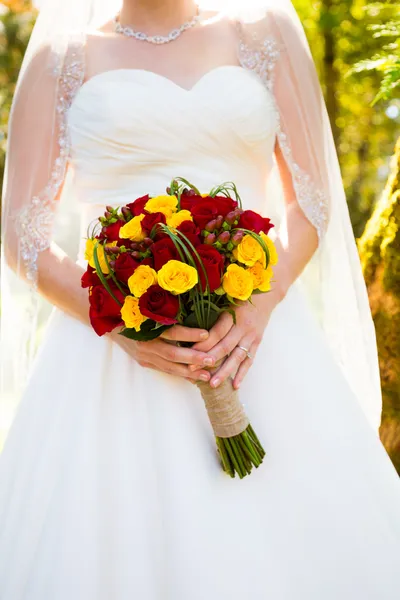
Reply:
x=34, y=223
x=262, y=60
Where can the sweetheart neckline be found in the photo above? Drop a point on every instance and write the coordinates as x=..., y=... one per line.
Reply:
x=187, y=91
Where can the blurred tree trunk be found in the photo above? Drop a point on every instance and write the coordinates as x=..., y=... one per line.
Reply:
x=331, y=75
x=380, y=255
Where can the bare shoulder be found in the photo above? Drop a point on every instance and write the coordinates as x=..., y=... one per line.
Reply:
x=99, y=47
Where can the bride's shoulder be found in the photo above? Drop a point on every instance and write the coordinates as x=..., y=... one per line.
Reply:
x=263, y=21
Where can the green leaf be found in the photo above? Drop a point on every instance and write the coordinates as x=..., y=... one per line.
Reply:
x=148, y=331
x=113, y=276
x=101, y=274
x=192, y=321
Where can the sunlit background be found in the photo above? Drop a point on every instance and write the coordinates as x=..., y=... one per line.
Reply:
x=341, y=34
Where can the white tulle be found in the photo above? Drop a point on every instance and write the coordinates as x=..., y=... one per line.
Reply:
x=110, y=486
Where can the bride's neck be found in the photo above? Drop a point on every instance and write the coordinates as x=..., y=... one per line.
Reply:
x=156, y=14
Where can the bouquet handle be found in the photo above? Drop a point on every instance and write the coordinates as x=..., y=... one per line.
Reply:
x=238, y=446
x=225, y=411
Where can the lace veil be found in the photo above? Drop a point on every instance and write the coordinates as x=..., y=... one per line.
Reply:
x=271, y=42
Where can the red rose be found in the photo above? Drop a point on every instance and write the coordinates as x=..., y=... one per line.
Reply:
x=213, y=263
x=191, y=231
x=188, y=198
x=150, y=220
x=137, y=207
x=163, y=251
x=149, y=261
x=206, y=209
x=104, y=312
x=111, y=232
x=159, y=305
x=90, y=278
x=224, y=205
x=254, y=222
x=125, y=265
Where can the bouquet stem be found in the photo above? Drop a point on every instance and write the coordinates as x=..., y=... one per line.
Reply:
x=238, y=446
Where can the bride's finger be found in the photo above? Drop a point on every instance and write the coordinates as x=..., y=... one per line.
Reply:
x=244, y=368
x=161, y=364
x=217, y=333
x=176, y=354
x=232, y=364
x=178, y=333
x=226, y=345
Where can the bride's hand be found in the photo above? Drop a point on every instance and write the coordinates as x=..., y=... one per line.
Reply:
x=226, y=338
x=161, y=355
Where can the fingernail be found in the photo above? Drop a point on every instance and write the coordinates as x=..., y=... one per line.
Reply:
x=204, y=377
x=208, y=362
x=192, y=367
x=204, y=336
x=215, y=383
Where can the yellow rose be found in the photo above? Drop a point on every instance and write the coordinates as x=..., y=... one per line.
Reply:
x=249, y=251
x=177, y=277
x=273, y=255
x=131, y=315
x=261, y=277
x=142, y=278
x=178, y=218
x=238, y=282
x=89, y=254
x=167, y=205
x=132, y=230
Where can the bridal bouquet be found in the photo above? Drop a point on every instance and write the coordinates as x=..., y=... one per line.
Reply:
x=183, y=257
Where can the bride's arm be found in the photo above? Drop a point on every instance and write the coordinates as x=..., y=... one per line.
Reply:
x=295, y=249
x=304, y=158
x=34, y=179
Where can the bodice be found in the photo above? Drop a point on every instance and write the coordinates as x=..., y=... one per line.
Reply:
x=132, y=131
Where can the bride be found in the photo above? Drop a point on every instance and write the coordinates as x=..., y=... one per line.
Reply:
x=110, y=486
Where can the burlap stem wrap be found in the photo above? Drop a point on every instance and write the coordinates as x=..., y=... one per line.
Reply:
x=224, y=408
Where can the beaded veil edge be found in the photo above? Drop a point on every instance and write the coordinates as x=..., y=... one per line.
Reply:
x=262, y=58
x=34, y=223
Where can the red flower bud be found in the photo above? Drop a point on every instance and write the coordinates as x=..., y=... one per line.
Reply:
x=109, y=209
x=126, y=212
x=231, y=217
x=210, y=239
x=224, y=237
x=135, y=254
x=147, y=242
x=237, y=238
x=134, y=246
x=211, y=225
x=107, y=214
x=219, y=220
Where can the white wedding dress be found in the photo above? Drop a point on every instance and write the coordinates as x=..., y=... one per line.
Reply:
x=111, y=488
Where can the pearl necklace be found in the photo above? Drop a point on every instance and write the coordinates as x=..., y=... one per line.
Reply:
x=155, y=39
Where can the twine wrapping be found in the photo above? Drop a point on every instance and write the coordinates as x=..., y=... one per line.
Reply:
x=224, y=408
